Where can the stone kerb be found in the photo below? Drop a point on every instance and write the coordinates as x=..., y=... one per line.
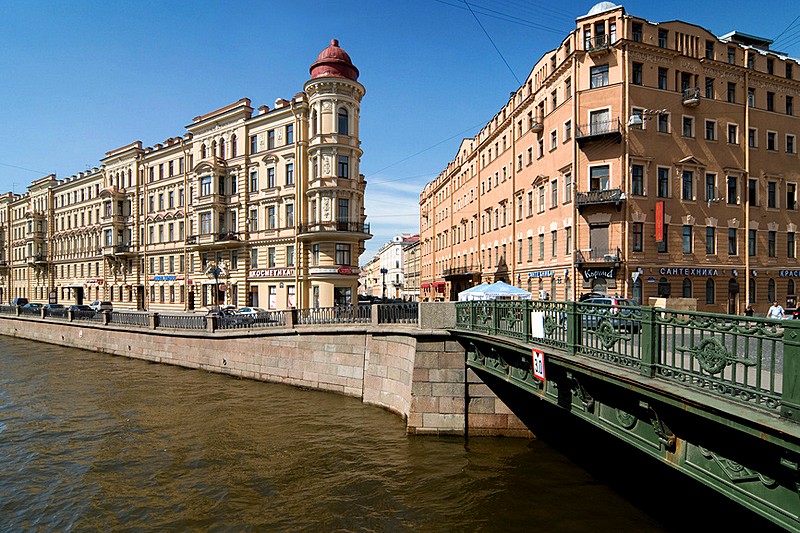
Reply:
x=437, y=315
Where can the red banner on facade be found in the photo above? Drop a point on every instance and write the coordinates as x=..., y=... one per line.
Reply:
x=660, y=221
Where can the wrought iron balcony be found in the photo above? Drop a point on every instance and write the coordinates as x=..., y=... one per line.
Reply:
x=599, y=130
x=691, y=97
x=597, y=44
x=599, y=197
x=37, y=258
x=321, y=227
x=537, y=125
x=594, y=256
x=123, y=249
x=460, y=271
x=223, y=239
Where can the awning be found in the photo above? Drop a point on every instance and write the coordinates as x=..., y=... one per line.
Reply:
x=425, y=286
x=439, y=283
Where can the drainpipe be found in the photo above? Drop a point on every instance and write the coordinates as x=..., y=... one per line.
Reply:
x=625, y=171
x=746, y=184
x=576, y=174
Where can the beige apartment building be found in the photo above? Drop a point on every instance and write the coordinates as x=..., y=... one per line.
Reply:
x=249, y=207
x=640, y=159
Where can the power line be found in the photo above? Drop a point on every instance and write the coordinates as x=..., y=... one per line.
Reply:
x=23, y=168
x=786, y=29
x=504, y=17
x=492, y=41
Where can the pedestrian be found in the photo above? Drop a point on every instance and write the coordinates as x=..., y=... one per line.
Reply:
x=776, y=311
x=748, y=311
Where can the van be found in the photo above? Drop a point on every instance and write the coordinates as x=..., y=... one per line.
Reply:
x=19, y=301
x=101, y=306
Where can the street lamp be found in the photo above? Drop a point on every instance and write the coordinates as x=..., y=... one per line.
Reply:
x=214, y=272
x=383, y=275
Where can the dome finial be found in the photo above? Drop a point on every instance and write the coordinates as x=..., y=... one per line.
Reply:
x=333, y=62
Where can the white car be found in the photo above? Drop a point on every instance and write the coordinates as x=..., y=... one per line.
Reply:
x=250, y=311
x=101, y=306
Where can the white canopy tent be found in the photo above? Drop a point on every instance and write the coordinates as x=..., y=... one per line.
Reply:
x=499, y=289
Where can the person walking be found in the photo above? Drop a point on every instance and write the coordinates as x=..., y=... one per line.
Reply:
x=748, y=311
x=776, y=311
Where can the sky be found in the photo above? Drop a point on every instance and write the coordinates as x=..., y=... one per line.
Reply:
x=80, y=78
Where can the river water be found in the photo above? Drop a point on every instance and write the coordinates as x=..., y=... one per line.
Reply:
x=93, y=442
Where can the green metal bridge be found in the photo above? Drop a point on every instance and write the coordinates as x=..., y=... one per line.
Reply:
x=715, y=396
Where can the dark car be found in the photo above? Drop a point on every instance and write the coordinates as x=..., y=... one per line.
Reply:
x=622, y=313
x=32, y=305
x=80, y=308
x=19, y=301
x=792, y=313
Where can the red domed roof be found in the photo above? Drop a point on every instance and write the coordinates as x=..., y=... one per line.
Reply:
x=333, y=62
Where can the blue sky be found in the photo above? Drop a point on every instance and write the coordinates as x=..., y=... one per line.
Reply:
x=80, y=78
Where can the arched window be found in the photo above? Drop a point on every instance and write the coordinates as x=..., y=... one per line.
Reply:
x=313, y=123
x=636, y=296
x=771, y=290
x=234, y=151
x=710, y=291
x=203, y=151
x=343, y=122
x=752, y=283
x=222, y=148
x=687, y=288
x=664, y=288
x=790, y=287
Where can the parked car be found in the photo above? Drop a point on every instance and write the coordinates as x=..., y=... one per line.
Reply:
x=80, y=308
x=54, y=306
x=32, y=305
x=250, y=311
x=621, y=312
x=101, y=306
x=792, y=313
x=19, y=301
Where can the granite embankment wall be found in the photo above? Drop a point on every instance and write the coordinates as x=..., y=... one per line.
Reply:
x=415, y=372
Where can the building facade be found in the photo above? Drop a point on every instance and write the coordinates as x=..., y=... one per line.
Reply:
x=384, y=274
x=249, y=207
x=638, y=158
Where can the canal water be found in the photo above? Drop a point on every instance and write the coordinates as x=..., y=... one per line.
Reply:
x=93, y=442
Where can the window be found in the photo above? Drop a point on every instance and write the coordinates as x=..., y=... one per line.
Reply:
x=711, y=130
x=344, y=166
x=638, y=237
x=553, y=194
x=205, y=186
x=663, y=246
x=789, y=144
x=662, y=78
x=342, y=120
x=541, y=246
x=687, y=239
x=688, y=127
x=711, y=240
x=751, y=97
x=598, y=76
x=771, y=238
x=598, y=178
x=290, y=215
x=771, y=144
x=733, y=134
x=343, y=211
x=791, y=196
x=205, y=223
x=553, y=243
x=636, y=73
x=731, y=92
x=342, y=254
x=687, y=288
x=662, y=38
x=732, y=245
x=290, y=174
x=731, y=55
x=567, y=130
x=271, y=219
x=567, y=187
x=710, y=88
x=568, y=88
x=687, y=190
x=751, y=242
x=752, y=192
x=253, y=144
x=789, y=105
x=770, y=101
x=290, y=256
x=271, y=178
x=567, y=240
x=530, y=249
x=253, y=180
x=772, y=195
x=752, y=138
x=270, y=139
x=770, y=65
x=788, y=71
x=289, y=133
x=553, y=139
x=710, y=291
x=711, y=187
x=636, y=32
x=662, y=183
x=709, y=49
x=663, y=122
x=733, y=190
x=790, y=250
x=315, y=254
x=637, y=180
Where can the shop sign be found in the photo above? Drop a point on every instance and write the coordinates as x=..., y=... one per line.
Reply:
x=164, y=278
x=346, y=270
x=343, y=270
x=660, y=221
x=705, y=272
x=594, y=273
x=272, y=273
x=789, y=273
x=541, y=274
x=91, y=281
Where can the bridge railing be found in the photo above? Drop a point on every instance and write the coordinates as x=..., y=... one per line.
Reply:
x=345, y=314
x=398, y=313
x=747, y=360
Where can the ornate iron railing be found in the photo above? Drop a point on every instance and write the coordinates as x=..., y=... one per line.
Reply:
x=8, y=309
x=741, y=359
x=126, y=318
x=181, y=321
x=59, y=312
x=334, y=315
x=405, y=313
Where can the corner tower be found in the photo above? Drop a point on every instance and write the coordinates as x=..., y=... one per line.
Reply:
x=333, y=229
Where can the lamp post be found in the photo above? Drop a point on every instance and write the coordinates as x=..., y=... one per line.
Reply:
x=213, y=272
x=383, y=275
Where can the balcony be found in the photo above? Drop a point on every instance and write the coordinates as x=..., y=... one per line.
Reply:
x=691, y=97
x=599, y=131
x=597, y=45
x=595, y=257
x=537, y=125
x=309, y=230
x=36, y=258
x=599, y=197
x=123, y=250
x=461, y=271
x=225, y=239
